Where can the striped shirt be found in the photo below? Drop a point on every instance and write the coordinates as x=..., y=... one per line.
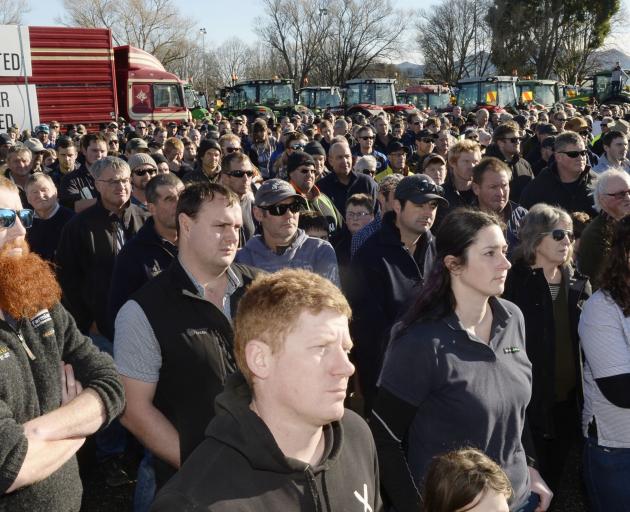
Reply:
x=605, y=337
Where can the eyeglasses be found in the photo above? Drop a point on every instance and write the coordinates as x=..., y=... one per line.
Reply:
x=584, y=133
x=357, y=215
x=432, y=188
x=559, y=234
x=369, y=172
x=619, y=195
x=561, y=119
x=7, y=217
x=574, y=154
x=278, y=210
x=513, y=140
x=239, y=174
x=232, y=150
x=368, y=137
x=112, y=183
x=297, y=146
x=143, y=172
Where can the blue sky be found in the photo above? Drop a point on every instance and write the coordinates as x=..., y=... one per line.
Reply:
x=224, y=19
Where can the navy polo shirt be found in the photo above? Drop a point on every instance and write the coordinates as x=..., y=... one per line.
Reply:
x=467, y=392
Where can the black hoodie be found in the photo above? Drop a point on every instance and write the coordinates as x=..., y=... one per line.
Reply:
x=240, y=468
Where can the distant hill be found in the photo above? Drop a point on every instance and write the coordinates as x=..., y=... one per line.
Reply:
x=410, y=69
x=607, y=59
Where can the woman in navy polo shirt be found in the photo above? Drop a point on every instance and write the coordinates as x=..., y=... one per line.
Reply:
x=456, y=373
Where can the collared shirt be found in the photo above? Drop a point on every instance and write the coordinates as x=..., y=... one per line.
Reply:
x=233, y=283
x=36, y=216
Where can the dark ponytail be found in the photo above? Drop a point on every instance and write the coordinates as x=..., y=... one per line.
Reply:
x=457, y=232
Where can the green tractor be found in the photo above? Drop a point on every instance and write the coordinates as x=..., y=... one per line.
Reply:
x=196, y=103
x=268, y=99
x=320, y=98
x=539, y=93
x=598, y=88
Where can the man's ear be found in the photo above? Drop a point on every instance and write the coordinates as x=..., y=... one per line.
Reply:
x=259, y=358
x=258, y=213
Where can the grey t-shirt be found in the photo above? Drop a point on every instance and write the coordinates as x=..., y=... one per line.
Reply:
x=467, y=392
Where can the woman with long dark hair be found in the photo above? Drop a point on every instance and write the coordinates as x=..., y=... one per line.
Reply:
x=605, y=333
x=550, y=294
x=456, y=372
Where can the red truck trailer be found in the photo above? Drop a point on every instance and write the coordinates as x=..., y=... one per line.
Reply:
x=74, y=75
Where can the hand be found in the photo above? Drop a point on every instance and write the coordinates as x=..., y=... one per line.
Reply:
x=538, y=486
x=70, y=387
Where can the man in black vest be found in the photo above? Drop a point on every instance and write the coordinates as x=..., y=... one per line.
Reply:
x=173, y=342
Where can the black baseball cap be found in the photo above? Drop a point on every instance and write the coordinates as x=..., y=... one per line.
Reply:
x=425, y=134
x=395, y=146
x=419, y=189
x=297, y=159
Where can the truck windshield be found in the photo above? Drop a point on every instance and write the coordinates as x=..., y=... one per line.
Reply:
x=167, y=95
x=545, y=94
x=374, y=94
x=439, y=100
x=467, y=95
x=307, y=97
x=276, y=94
x=507, y=95
x=326, y=98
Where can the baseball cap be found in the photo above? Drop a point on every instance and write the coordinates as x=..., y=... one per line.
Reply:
x=620, y=126
x=424, y=134
x=395, y=146
x=273, y=191
x=34, y=145
x=419, y=188
x=575, y=124
x=547, y=129
x=172, y=124
x=137, y=144
x=42, y=128
x=113, y=124
x=140, y=159
x=298, y=158
x=606, y=121
x=432, y=158
x=6, y=140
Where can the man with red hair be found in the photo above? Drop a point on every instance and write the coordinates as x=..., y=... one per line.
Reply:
x=56, y=387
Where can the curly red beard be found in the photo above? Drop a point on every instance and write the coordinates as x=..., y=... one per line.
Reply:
x=27, y=282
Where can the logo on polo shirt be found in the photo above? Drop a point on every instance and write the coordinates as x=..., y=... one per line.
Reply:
x=511, y=350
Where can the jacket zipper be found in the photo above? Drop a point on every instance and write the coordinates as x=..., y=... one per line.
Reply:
x=28, y=351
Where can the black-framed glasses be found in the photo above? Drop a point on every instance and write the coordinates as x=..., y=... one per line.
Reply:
x=143, y=172
x=431, y=188
x=239, y=174
x=574, y=154
x=278, y=210
x=585, y=133
x=559, y=234
x=112, y=183
x=369, y=172
x=619, y=195
x=297, y=147
x=513, y=140
x=8, y=216
x=232, y=150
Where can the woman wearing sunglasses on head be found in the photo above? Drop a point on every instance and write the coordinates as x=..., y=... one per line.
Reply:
x=605, y=332
x=550, y=293
x=456, y=372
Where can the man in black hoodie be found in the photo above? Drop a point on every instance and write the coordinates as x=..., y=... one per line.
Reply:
x=281, y=439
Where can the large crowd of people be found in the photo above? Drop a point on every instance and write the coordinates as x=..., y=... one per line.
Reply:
x=422, y=312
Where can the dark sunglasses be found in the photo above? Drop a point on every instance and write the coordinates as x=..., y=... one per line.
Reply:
x=559, y=234
x=585, y=133
x=278, y=210
x=143, y=172
x=232, y=150
x=297, y=146
x=431, y=188
x=574, y=154
x=513, y=140
x=369, y=172
x=239, y=174
x=7, y=217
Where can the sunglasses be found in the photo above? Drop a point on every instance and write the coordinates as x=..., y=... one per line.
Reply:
x=143, y=172
x=620, y=195
x=297, y=146
x=584, y=133
x=574, y=154
x=369, y=172
x=239, y=174
x=559, y=234
x=513, y=140
x=277, y=210
x=232, y=150
x=368, y=138
x=7, y=217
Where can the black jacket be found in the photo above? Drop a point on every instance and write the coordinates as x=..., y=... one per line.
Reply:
x=78, y=184
x=43, y=236
x=31, y=387
x=339, y=193
x=196, y=344
x=142, y=258
x=527, y=288
x=522, y=172
x=573, y=197
x=384, y=278
x=85, y=259
x=240, y=468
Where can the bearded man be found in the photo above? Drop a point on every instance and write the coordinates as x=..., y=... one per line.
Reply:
x=56, y=387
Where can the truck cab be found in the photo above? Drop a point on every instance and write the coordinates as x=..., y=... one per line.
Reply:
x=196, y=103
x=146, y=91
x=427, y=96
x=371, y=96
x=320, y=99
x=494, y=93
x=539, y=93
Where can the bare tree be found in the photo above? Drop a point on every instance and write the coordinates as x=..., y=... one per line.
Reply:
x=362, y=32
x=295, y=30
x=454, y=39
x=151, y=25
x=231, y=59
x=11, y=11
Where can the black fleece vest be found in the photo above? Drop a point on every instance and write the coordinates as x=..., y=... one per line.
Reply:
x=195, y=340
